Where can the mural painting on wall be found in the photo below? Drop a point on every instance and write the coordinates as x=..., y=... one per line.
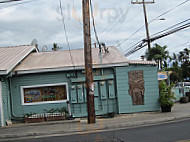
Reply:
x=41, y=94
x=136, y=87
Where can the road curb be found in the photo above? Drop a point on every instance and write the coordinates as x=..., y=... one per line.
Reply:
x=41, y=124
x=92, y=129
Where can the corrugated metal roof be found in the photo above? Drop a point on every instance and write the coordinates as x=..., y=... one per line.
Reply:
x=11, y=56
x=46, y=61
x=142, y=62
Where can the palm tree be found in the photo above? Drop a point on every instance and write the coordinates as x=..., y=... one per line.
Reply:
x=185, y=64
x=184, y=55
x=174, y=60
x=180, y=66
x=159, y=54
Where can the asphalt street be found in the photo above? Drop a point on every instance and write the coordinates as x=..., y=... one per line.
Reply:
x=168, y=132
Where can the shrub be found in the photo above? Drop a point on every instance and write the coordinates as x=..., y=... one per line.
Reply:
x=167, y=97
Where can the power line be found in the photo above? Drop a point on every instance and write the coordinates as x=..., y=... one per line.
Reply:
x=115, y=22
x=8, y=1
x=134, y=16
x=170, y=32
x=126, y=39
x=171, y=9
x=134, y=47
x=17, y=4
x=143, y=43
x=79, y=21
x=182, y=44
x=171, y=27
x=76, y=13
x=94, y=26
x=64, y=27
x=151, y=35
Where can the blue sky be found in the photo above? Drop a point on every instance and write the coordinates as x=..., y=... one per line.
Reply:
x=115, y=21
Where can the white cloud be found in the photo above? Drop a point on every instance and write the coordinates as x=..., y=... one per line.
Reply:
x=115, y=21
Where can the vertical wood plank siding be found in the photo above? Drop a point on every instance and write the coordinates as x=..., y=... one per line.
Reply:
x=78, y=106
x=34, y=79
x=6, y=101
x=104, y=104
x=151, y=95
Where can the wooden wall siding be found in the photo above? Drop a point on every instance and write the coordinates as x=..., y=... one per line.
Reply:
x=151, y=94
x=77, y=93
x=1, y=105
x=6, y=101
x=34, y=79
x=103, y=103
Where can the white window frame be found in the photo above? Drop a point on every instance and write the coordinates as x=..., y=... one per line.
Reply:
x=43, y=85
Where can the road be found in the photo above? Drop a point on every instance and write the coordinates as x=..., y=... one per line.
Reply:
x=168, y=132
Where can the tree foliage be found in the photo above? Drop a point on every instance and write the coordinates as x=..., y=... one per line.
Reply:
x=178, y=63
x=159, y=54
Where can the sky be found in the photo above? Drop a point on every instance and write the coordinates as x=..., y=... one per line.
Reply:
x=116, y=21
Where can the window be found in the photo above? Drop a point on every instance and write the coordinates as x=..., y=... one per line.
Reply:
x=47, y=93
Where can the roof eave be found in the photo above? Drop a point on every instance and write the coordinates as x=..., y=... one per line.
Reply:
x=20, y=72
x=3, y=72
x=13, y=66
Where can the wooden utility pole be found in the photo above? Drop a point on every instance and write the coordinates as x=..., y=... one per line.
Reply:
x=146, y=20
x=88, y=62
x=146, y=25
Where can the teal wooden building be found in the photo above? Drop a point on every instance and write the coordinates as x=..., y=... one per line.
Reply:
x=31, y=81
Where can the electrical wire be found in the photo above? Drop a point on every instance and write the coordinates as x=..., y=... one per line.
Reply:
x=139, y=45
x=8, y=1
x=127, y=38
x=170, y=10
x=76, y=13
x=170, y=32
x=160, y=32
x=143, y=43
x=133, y=47
x=115, y=22
x=171, y=27
x=94, y=26
x=17, y=4
x=182, y=44
x=65, y=31
x=79, y=19
x=134, y=16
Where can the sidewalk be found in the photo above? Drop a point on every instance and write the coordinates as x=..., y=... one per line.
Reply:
x=179, y=111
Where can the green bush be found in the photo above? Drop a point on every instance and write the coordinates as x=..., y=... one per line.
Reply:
x=167, y=97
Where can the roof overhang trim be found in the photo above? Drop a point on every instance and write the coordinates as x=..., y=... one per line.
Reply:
x=5, y=72
x=20, y=72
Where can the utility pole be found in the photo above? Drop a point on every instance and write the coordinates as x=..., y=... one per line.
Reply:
x=146, y=19
x=88, y=62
